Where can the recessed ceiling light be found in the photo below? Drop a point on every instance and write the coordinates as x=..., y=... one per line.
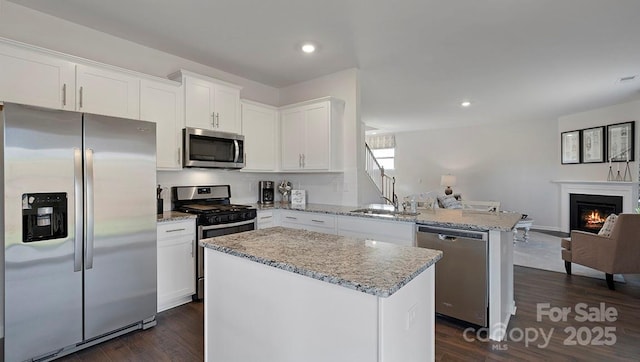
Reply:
x=308, y=48
x=465, y=104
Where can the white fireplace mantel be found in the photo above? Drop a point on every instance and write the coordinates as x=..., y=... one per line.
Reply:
x=628, y=191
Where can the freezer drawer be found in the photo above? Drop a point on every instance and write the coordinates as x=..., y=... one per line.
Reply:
x=461, y=274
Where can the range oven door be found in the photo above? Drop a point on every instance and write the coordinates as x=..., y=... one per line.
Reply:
x=211, y=149
x=211, y=231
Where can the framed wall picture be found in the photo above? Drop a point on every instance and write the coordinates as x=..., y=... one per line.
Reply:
x=593, y=145
x=620, y=142
x=570, y=147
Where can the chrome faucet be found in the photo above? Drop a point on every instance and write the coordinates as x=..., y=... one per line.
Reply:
x=393, y=202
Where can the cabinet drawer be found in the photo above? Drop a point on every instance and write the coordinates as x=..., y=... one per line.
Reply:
x=309, y=221
x=174, y=229
x=266, y=219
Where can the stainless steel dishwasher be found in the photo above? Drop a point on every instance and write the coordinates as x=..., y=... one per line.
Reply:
x=461, y=274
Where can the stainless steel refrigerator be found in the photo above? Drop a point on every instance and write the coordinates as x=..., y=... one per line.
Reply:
x=79, y=225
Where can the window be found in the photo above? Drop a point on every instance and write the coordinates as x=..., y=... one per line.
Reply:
x=385, y=157
x=383, y=148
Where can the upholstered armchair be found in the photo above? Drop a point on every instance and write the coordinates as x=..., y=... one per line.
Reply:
x=617, y=254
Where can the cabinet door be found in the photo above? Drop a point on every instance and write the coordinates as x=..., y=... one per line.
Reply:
x=176, y=263
x=31, y=78
x=107, y=92
x=227, y=109
x=199, y=95
x=293, y=129
x=316, y=155
x=259, y=130
x=162, y=103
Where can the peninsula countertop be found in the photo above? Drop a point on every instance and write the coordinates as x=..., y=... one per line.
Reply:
x=368, y=266
x=452, y=218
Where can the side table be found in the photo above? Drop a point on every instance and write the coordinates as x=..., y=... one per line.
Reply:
x=525, y=224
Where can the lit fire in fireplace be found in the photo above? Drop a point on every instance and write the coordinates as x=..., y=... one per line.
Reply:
x=594, y=219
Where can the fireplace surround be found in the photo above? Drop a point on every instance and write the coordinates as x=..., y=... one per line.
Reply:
x=628, y=191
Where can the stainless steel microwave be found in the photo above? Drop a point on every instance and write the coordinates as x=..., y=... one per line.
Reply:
x=212, y=149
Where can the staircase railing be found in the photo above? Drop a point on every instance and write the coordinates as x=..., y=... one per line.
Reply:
x=385, y=183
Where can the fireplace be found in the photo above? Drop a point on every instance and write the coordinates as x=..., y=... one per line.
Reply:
x=588, y=212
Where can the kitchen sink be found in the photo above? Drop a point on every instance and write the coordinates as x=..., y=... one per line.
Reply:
x=382, y=210
x=375, y=211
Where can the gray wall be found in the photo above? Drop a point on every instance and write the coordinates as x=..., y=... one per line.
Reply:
x=625, y=112
x=511, y=163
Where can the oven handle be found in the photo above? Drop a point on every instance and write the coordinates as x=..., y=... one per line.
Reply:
x=224, y=226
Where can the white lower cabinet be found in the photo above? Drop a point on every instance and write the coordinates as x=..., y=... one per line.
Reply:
x=397, y=232
x=176, y=263
x=267, y=219
x=312, y=221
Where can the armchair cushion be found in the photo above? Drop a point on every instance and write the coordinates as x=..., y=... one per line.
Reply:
x=607, y=228
x=591, y=250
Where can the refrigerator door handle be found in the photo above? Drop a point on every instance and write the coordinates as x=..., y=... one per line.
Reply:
x=77, y=190
x=88, y=238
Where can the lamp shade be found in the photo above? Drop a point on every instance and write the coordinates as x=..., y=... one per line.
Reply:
x=447, y=180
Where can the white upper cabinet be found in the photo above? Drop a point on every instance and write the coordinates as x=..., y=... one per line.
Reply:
x=210, y=103
x=34, y=78
x=311, y=135
x=260, y=130
x=108, y=92
x=162, y=103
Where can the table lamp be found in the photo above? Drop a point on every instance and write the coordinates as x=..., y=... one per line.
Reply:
x=448, y=181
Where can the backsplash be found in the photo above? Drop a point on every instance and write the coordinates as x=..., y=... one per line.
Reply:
x=321, y=188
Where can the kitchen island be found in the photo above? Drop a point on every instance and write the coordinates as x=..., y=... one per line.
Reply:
x=498, y=225
x=282, y=294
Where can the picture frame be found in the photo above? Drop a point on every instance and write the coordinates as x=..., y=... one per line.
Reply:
x=570, y=147
x=593, y=145
x=620, y=142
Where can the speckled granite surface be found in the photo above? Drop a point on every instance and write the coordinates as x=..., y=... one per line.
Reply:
x=469, y=219
x=367, y=266
x=462, y=219
x=174, y=215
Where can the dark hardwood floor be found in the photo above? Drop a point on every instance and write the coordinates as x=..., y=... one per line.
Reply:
x=179, y=336
x=179, y=333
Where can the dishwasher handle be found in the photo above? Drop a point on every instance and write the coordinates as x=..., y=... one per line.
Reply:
x=453, y=234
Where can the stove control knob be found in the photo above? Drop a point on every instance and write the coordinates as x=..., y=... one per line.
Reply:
x=214, y=219
x=233, y=217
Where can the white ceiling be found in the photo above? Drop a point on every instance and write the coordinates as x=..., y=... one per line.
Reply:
x=515, y=60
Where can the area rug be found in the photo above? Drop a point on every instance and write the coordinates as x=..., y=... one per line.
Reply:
x=542, y=251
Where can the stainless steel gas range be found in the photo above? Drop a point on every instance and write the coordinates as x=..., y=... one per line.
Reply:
x=216, y=216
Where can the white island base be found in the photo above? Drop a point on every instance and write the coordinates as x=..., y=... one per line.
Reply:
x=255, y=312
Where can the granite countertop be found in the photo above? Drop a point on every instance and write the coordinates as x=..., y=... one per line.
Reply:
x=368, y=266
x=469, y=219
x=174, y=215
x=457, y=218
